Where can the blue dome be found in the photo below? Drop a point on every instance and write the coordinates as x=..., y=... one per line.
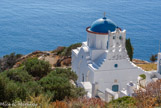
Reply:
x=103, y=25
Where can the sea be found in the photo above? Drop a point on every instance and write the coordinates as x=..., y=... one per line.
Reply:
x=29, y=25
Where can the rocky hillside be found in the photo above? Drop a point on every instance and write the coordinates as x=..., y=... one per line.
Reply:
x=61, y=57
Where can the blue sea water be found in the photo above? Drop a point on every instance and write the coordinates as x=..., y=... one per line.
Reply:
x=29, y=25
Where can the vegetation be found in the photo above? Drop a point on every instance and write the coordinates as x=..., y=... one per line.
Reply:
x=18, y=75
x=35, y=82
x=19, y=84
x=153, y=58
x=124, y=102
x=150, y=96
x=57, y=84
x=37, y=68
x=66, y=51
x=148, y=67
x=66, y=73
x=8, y=61
x=130, y=49
x=143, y=76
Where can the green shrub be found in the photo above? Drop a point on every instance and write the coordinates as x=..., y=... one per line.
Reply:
x=3, y=83
x=143, y=76
x=17, y=84
x=66, y=73
x=37, y=68
x=33, y=88
x=8, y=90
x=123, y=102
x=18, y=74
x=58, y=86
x=67, y=51
x=11, y=91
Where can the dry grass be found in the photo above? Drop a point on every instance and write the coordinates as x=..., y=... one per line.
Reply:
x=150, y=97
x=148, y=66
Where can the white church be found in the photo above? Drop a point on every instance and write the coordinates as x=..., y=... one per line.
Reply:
x=103, y=66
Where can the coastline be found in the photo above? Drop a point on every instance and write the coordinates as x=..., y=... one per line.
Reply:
x=65, y=61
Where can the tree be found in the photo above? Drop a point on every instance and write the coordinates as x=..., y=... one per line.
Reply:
x=130, y=49
x=37, y=68
x=153, y=58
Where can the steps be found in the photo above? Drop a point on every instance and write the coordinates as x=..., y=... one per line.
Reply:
x=100, y=60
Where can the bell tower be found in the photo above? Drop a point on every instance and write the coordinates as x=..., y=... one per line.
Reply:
x=117, y=50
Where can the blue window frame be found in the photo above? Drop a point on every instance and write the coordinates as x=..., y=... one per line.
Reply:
x=115, y=88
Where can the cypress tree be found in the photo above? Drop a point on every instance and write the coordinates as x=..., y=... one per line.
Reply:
x=129, y=48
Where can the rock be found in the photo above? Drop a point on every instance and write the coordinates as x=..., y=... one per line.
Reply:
x=59, y=50
x=66, y=62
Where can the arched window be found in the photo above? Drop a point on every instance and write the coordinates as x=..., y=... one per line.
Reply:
x=116, y=65
x=115, y=88
x=82, y=77
x=114, y=37
x=120, y=37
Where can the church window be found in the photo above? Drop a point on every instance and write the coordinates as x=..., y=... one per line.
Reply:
x=114, y=37
x=82, y=77
x=120, y=37
x=115, y=88
x=107, y=45
x=116, y=65
x=82, y=56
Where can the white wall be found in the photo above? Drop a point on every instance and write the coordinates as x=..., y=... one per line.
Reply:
x=84, y=58
x=106, y=79
x=97, y=41
x=159, y=63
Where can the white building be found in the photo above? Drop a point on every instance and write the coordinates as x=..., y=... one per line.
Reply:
x=103, y=63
